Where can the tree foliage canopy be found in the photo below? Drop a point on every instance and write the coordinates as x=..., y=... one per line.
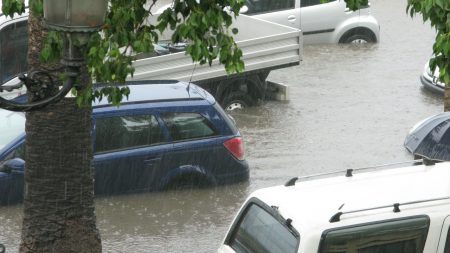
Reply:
x=438, y=13
x=129, y=31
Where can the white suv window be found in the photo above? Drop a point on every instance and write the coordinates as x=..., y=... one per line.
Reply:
x=264, y=6
x=394, y=236
x=259, y=231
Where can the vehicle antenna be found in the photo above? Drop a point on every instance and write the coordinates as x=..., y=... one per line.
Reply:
x=190, y=79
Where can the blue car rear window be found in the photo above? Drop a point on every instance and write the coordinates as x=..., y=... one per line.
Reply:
x=184, y=126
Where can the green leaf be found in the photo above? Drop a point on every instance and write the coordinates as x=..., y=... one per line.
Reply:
x=11, y=7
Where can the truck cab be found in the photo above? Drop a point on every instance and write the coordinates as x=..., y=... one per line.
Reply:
x=13, y=51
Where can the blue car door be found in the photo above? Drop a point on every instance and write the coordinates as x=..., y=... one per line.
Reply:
x=12, y=178
x=197, y=144
x=128, y=152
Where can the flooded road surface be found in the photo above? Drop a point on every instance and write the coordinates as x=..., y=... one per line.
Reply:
x=350, y=106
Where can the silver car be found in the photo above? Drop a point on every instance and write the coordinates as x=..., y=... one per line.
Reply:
x=330, y=22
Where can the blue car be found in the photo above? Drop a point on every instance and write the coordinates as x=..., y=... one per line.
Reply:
x=168, y=134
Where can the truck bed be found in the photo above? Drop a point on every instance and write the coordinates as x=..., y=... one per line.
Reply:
x=265, y=45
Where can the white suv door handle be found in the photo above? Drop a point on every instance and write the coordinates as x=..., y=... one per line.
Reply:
x=291, y=18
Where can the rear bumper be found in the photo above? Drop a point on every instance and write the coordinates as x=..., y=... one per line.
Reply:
x=240, y=175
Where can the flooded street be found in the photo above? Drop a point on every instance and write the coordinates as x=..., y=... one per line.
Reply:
x=350, y=106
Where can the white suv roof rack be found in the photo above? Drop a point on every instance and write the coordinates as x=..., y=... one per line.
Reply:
x=349, y=172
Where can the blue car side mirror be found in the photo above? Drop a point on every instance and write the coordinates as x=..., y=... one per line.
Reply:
x=14, y=166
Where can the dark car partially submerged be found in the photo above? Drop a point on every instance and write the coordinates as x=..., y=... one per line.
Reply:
x=168, y=134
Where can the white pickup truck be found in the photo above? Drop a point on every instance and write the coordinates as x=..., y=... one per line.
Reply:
x=266, y=46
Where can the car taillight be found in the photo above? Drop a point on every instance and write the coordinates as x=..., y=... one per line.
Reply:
x=236, y=147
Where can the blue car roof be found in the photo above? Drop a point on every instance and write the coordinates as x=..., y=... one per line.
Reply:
x=161, y=90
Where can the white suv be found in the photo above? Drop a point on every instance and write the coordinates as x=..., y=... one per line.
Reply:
x=402, y=210
x=330, y=22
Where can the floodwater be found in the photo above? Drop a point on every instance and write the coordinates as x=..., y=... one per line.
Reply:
x=350, y=106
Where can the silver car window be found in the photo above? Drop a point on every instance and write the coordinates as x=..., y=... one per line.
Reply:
x=306, y=3
x=265, y=6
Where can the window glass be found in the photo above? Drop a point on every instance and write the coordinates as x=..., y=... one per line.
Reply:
x=447, y=243
x=19, y=152
x=262, y=6
x=260, y=232
x=14, y=47
x=183, y=126
x=306, y=3
x=12, y=125
x=399, y=236
x=124, y=132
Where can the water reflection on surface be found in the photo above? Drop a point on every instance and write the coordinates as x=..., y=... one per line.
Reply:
x=176, y=221
x=350, y=106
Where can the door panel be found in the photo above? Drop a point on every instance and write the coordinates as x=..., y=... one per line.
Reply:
x=197, y=143
x=320, y=20
x=128, y=171
x=129, y=150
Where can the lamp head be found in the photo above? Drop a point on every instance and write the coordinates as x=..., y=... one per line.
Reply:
x=72, y=16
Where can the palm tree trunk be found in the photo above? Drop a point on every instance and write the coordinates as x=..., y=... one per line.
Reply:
x=447, y=98
x=59, y=214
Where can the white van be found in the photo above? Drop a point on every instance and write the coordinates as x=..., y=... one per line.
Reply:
x=402, y=210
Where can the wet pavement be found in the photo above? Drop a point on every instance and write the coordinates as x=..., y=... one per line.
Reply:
x=350, y=106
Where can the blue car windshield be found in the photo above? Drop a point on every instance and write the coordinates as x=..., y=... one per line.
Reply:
x=12, y=124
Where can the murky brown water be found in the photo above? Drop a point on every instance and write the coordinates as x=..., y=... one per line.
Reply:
x=351, y=106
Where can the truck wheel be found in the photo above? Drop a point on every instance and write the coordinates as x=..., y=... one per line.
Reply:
x=237, y=101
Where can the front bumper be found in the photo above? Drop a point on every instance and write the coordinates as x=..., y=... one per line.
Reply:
x=430, y=85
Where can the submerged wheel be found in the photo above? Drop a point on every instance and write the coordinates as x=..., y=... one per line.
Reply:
x=358, y=39
x=358, y=36
x=186, y=182
x=237, y=101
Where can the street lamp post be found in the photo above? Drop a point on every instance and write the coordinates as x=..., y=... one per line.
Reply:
x=77, y=20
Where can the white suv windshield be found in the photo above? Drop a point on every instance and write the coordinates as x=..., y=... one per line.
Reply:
x=12, y=124
x=259, y=231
